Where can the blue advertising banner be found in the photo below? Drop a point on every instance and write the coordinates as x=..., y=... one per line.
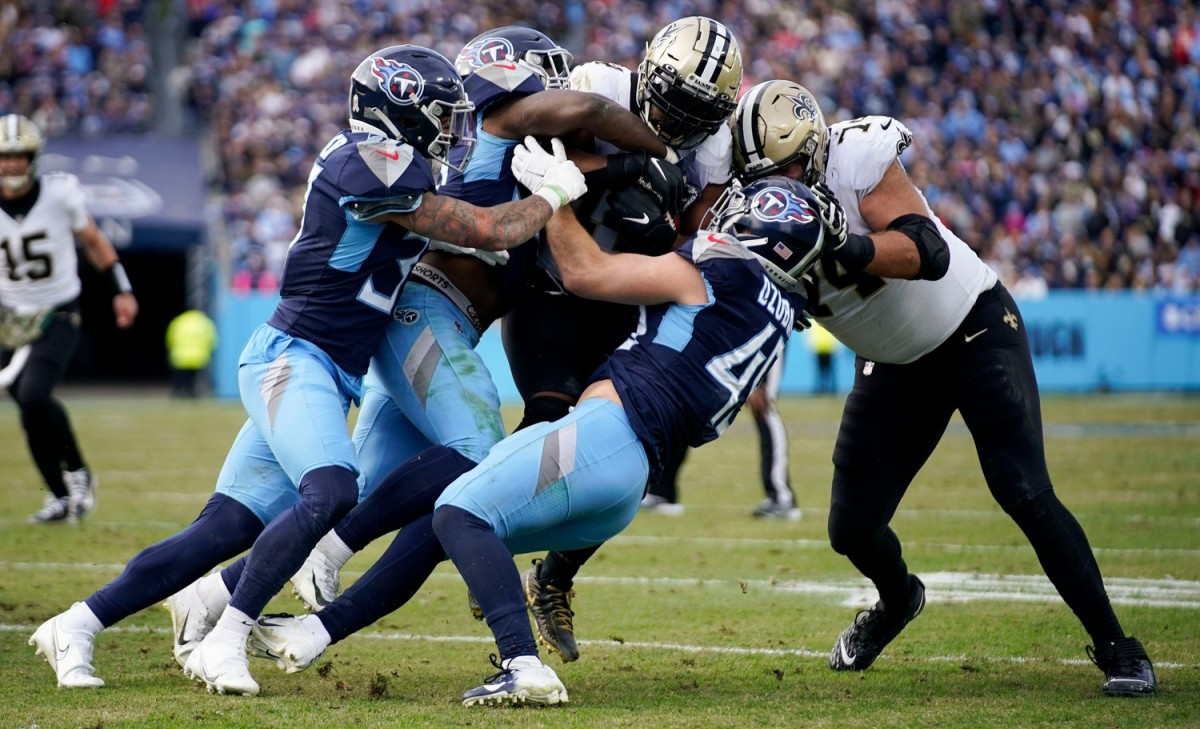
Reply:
x=1082, y=341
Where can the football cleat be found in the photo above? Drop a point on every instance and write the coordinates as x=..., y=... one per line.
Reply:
x=860, y=644
x=190, y=621
x=523, y=679
x=293, y=642
x=1126, y=667
x=54, y=510
x=317, y=583
x=222, y=666
x=68, y=651
x=772, y=509
x=552, y=614
x=659, y=505
x=473, y=606
x=81, y=492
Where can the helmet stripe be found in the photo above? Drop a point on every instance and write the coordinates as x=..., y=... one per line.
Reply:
x=716, y=49
x=753, y=146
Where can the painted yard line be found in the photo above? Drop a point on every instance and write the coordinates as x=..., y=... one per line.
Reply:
x=652, y=645
x=651, y=540
x=943, y=587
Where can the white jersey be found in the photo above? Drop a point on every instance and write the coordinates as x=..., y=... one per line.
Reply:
x=896, y=321
x=39, y=263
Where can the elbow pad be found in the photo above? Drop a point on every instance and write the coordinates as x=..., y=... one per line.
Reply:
x=934, y=253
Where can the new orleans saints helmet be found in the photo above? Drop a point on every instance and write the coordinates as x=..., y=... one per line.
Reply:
x=412, y=94
x=516, y=44
x=19, y=136
x=779, y=220
x=778, y=123
x=688, y=81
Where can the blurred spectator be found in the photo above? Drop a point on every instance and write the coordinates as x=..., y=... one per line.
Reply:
x=1037, y=126
x=191, y=339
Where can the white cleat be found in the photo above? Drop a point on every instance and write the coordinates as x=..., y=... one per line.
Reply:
x=317, y=583
x=69, y=653
x=524, y=679
x=293, y=642
x=81, y=492
x=190, y=621
x=222, y=666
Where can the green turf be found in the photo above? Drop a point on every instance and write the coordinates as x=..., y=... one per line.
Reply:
x=718, y=632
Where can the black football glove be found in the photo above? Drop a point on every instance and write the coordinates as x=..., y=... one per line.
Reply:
x=642, y=226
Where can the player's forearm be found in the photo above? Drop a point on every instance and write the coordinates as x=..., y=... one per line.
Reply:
x=622, y=128
x=580, y=261
x=494, y=229
x=895, y=256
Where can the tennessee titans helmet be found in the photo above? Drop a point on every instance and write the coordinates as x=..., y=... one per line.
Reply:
x=688, y=81
x=412, y=94
x=19, y=136
x=516, y=44
x=779, y=220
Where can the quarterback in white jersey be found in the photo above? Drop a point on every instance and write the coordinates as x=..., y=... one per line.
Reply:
x=41, y=218
x=935, y=332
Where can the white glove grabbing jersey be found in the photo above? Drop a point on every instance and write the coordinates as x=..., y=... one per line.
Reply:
x=552, y=177
x=887, y=320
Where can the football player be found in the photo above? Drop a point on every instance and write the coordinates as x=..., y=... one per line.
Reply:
x=685, y=88
x=368, y=215
x=577, y=481
x=934, y=331
x=41, y=219
x=427, y=392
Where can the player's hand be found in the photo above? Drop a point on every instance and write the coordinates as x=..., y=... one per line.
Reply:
x=832, y=216
x=666, y=182
x=551, y=177
x=125, y=310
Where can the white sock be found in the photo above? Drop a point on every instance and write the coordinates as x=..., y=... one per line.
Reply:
x=334, y=549
x=213, y=593
x=234, y=625
x=81, y=618
x=522, y=662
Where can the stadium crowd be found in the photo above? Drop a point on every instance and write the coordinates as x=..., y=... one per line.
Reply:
x=1059, y=138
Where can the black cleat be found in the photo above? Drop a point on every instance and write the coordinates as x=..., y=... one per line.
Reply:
x=552, y=614
x=1126, y=667
x=859, y=645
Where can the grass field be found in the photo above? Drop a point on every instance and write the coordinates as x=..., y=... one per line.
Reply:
x=711, y=619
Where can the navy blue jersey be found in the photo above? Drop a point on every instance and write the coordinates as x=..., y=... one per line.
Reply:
x=687, y=370
x=343, y=275
x=488, y=179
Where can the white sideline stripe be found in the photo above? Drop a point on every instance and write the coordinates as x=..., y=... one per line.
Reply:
x=653, y=645
x=943, y=587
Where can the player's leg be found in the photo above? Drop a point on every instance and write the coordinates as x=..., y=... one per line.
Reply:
x=47, y=426
x=780, y=501
x=1001, y=406
x=567, y=485
x=893, y=418
x=300, y=409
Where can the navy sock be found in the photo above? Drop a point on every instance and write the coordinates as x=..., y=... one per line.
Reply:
x=223, y=529
x=488, y=569
x=389, y=583
x=326, y=495
x=409, y=491
x=231, y=574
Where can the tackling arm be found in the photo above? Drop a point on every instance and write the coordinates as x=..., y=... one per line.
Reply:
x=557, y=112
x=623, y=278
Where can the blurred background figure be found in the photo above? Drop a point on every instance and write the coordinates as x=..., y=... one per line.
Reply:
x=191, y=339
x=824, y=345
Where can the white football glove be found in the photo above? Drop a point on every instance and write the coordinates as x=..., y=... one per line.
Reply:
x=552, y=177
x=832, y=215
x=491, y=258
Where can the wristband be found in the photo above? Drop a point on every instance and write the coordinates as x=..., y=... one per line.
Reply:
x=118, y=280
x=554, y=195
x=856, y=253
